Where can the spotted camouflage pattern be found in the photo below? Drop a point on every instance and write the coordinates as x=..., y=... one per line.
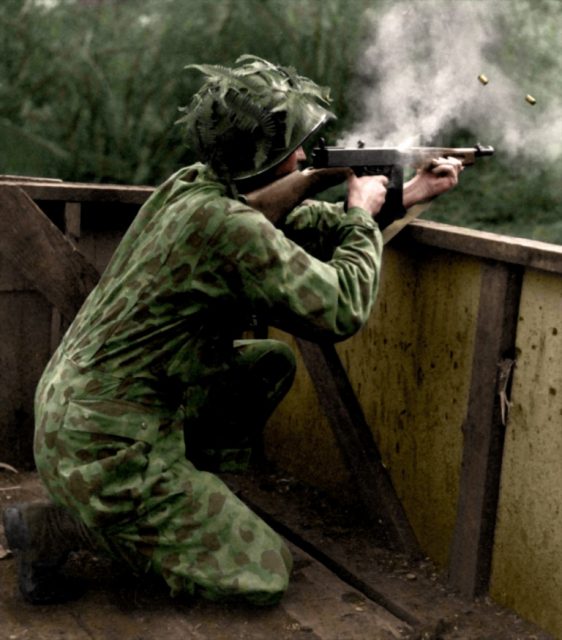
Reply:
x=152, y=367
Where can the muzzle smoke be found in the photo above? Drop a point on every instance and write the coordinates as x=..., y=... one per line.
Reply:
x=421, y=76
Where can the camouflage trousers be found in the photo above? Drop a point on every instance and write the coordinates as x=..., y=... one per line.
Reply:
x=113, y=452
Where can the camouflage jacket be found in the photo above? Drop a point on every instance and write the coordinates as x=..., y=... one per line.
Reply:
x=196, y=264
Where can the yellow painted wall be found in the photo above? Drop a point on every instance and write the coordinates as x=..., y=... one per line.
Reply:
x=299, y=439
x=527, y=569
x=410, y=367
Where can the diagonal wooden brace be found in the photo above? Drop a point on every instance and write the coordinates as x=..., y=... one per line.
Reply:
x=356, y=443
x=44, y=256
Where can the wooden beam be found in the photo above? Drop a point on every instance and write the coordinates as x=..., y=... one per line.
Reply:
x=483, y=244
x=35, y=246
x=356, y=443
x=484, y=428
x=72, y=230
x=41, y=189
x=73, y=221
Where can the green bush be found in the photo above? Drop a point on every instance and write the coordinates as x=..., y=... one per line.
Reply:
x=89, y=91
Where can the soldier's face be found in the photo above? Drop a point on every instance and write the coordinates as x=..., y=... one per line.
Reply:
x=291, y=163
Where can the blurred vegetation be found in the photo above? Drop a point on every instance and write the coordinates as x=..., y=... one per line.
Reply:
x=89, y=90
x=516, y=195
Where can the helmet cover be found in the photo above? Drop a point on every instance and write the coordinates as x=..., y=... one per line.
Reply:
x=246, y=120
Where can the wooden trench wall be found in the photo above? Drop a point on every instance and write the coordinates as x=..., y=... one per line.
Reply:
x=443, y=415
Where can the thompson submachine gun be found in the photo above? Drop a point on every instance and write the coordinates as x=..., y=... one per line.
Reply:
x=390, y=162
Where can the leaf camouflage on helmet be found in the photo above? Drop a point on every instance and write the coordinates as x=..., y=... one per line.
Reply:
x=245, y=120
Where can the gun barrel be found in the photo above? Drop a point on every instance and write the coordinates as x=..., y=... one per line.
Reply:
x=324, y=156
x=443, y=152
x=423, y=156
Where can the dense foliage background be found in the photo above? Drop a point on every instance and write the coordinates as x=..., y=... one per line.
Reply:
x=89, y=90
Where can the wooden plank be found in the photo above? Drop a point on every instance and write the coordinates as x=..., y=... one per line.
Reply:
x=530, y=253
x=102, y=231
x=72, y=230
x=414, y=591
x=10, y=277
x=24, y=352
x=357, y=445
x=72, y=221
x=43, y=255
x=527, y=562
x=484, y=428
x=483, y=244
x=15, y=179
x=317, y=606
x=81, y=192
x=323, y=604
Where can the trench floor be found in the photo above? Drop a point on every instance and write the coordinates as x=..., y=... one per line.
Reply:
x=345, y=586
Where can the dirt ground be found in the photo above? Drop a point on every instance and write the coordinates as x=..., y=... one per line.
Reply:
x=345, y=586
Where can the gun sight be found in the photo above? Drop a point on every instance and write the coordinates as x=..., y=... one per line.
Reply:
x=483, y=151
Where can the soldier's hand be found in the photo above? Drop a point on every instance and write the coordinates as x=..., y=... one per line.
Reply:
x=367, y=192
x=437, y=178
x=443, y=175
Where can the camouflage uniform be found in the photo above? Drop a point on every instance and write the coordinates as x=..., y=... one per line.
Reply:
x=154, y=349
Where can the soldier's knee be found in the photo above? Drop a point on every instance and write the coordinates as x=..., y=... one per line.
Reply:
x=275, y=582
x=272, y=358
x=281, y=362
x=284, y=352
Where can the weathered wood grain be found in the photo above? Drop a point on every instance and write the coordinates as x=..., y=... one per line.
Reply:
x=48, y=260
x=356, y=444
x=484, y=428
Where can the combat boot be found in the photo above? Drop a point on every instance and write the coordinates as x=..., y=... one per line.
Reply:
x=42, y=535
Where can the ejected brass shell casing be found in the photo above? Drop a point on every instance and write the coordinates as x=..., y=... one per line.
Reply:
x=483, y=79
x=530, y=99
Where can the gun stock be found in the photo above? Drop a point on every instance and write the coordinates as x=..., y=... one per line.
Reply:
x=279, y=198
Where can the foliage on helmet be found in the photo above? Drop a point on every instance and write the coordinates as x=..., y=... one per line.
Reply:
x=245, y=120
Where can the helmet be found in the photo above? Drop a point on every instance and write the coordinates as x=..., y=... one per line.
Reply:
x=247, y=119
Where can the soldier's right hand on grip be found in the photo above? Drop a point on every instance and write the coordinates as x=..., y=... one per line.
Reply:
x=367, y=192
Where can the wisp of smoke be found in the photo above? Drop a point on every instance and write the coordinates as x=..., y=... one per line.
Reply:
x=420, y=78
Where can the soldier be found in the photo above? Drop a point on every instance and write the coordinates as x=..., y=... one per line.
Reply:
x=151, y=388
